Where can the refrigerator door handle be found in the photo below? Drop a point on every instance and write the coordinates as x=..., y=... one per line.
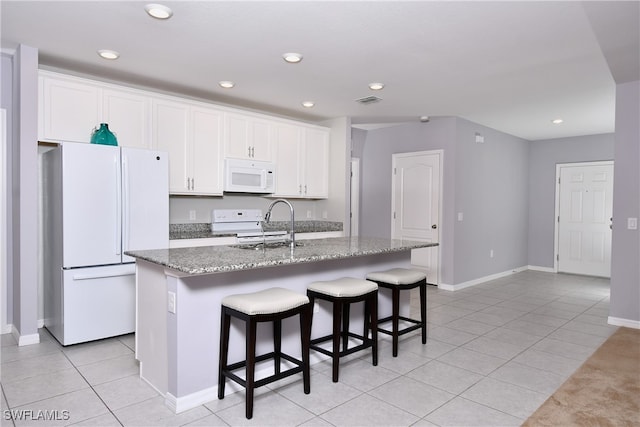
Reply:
x=125, y=204
x=99, y=276
x=118, y=231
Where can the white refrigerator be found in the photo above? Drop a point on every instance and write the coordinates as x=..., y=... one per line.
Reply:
x=98, y=202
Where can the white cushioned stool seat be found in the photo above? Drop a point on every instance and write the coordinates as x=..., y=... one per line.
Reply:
x=344, y=287
x=268, y=301
x=397, y=276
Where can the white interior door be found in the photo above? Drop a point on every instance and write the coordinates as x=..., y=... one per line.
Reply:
x=416, y=206
x=585, y=202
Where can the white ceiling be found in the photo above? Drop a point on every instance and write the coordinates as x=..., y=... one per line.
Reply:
x=512, y=66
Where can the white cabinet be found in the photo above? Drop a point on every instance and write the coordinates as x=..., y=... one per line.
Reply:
x=302, y=161
x=191, y=135
x=247, y=137
x=316, y=164
x=128, y=115
x=71, y=108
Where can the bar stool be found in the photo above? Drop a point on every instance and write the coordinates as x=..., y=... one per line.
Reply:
x=269, y=305
x=399, y=279
x=341, y=293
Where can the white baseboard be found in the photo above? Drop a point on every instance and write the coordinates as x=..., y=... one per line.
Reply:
x=544, y=269
x=190, y=401
x=24, y=339
x=628, y=323
x=6, y=329
x=480, y=280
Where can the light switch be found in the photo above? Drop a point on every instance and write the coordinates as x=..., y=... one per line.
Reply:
x=192, y=215
x=460, y=216
x=632, y=223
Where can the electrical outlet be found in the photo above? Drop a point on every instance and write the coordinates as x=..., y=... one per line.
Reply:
x=632, y=223
x=171, y=302
x=192, y=215
x=309, y=215
x=491, y=253
x=324, y=215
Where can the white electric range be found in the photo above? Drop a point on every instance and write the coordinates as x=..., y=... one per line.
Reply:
x=246, y=224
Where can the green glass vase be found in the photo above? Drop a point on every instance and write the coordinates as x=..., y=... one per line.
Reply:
x=103, y=135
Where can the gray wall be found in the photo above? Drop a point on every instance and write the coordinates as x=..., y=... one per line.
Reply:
x=375, y=175
x=6, y=102
x=491, y=190
x=625, y=268
x=543, y=157
x=487, y=182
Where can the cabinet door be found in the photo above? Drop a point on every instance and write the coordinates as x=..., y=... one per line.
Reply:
x=70, y=110
x=128, y=116
x=206, y=151
x=170, y=121
x=261, y=136
x=316, y=176
x=288, y=144
x=236, y=137
x=247, y=137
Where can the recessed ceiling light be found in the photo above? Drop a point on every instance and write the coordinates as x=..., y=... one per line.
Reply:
x=108, y=54
x=226, y=84
x=376, y=86
x=158, y=11
x=292, y=58
x=557, y=121
x=308, y=104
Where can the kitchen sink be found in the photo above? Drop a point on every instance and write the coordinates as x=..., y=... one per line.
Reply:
x=268, y=245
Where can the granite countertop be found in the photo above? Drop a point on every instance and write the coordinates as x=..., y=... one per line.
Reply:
x=218, y=259
x=203, y=230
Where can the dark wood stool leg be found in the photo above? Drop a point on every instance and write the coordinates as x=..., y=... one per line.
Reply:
x=305, y=338
x=225, y=323
x=337, y=312
x=346, y=315
x=251, y=366
x=374, y=328
x=395, y=318
x=423, y=311
x=277, y=344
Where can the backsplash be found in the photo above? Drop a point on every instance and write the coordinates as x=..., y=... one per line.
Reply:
x=203, y=230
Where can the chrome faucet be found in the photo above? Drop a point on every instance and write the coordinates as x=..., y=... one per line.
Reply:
x=267, y=217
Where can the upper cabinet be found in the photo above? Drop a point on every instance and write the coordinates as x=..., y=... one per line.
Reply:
x=196, y=135
x=192, y=136
x=302, y=161
x=127, y=114
x=247, y=137
x=71, y=108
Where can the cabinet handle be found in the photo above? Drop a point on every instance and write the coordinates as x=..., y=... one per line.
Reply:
x=253, y=151
x=300, y=189
x=193, y=183
x=249, y=151
x=305, y=189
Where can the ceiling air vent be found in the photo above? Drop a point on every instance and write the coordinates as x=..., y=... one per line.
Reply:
x=368, y=100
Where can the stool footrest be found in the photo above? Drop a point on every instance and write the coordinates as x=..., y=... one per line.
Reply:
x=417, y=325
x=366, y=343
x=267, y=380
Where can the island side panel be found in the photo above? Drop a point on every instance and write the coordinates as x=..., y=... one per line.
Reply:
x=151, y=324
x=194, y=331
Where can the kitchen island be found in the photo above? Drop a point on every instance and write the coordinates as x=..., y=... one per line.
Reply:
x=179, y=293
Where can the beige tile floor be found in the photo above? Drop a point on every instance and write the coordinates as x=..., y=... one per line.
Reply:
x=495, y=352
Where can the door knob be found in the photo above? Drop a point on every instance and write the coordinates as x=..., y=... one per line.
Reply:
x=434, y=226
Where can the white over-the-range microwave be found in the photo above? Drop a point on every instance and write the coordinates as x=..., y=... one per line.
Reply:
x=249, y=176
